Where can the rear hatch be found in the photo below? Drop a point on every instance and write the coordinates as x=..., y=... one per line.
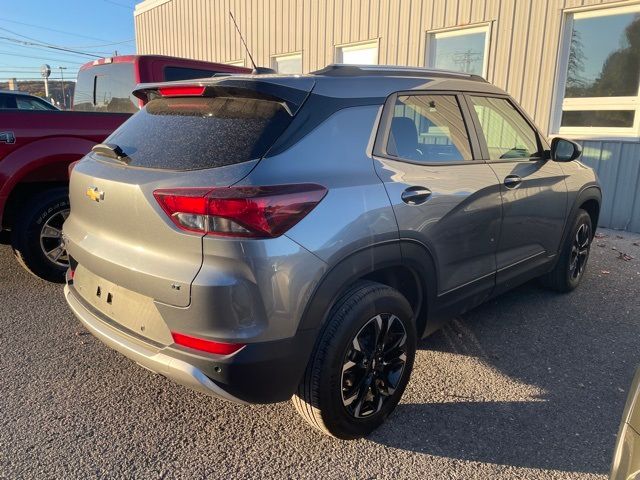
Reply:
x=194, y=136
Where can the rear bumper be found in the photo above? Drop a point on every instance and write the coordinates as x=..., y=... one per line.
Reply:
x=175, y=369
x=264, y=372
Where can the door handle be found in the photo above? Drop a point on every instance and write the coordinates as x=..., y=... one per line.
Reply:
x=416, y=195
x=512, y=181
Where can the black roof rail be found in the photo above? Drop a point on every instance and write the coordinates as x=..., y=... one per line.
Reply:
x=345, y=70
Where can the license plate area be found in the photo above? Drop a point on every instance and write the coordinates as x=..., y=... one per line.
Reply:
x=133, y=311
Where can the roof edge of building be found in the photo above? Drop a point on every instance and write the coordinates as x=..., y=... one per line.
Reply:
x=147, y=5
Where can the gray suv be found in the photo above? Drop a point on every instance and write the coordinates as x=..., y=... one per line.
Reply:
x=265, y=237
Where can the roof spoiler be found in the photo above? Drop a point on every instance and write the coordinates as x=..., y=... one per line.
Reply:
x=291, y=94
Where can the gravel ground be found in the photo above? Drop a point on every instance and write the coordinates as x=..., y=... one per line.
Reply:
x=530, y=385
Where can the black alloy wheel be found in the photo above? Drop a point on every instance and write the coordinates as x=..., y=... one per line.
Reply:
x=373, y=365
x=580, y=251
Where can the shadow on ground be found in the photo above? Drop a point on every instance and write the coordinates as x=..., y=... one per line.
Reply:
x=579, y=350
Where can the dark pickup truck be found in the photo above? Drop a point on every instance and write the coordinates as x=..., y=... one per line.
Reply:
x=37, y=147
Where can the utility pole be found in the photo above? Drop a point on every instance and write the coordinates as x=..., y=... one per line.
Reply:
x=64, y=95
x=466, y=59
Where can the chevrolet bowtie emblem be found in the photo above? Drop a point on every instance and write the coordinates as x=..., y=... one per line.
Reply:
x=94, y=194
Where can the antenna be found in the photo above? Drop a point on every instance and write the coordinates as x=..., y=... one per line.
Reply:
x=255, y=67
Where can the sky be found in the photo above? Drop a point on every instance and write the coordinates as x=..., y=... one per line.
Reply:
x=95, y=28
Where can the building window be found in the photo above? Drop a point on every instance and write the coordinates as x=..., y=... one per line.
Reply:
x=600, y=69
x=291, y=63
x=358, y=53
x=462, y=50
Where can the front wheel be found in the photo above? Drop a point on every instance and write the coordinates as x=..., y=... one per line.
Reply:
x=36, y=235
x=361, y=364
x=572, y=263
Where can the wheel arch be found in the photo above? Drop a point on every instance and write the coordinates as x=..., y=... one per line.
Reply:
x=36, y=167
x=592, y=207
x=402, y=265
x=589, y=199
x=21, y=193
x=590, y=196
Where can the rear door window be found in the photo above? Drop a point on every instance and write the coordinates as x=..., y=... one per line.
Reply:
x=190, y=133
x=428, y=129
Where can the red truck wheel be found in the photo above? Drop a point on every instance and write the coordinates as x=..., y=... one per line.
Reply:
x=37, y=235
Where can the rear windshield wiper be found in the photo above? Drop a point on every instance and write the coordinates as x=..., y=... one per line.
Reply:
x=111, y=150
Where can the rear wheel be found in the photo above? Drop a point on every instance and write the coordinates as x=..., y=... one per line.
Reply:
x=573, y=259
x=36, y=235
x=361, y=364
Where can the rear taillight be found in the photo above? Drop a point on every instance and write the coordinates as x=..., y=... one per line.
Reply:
x=253, y=212
x=209, y=346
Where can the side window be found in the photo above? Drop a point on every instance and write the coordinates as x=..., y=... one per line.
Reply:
x=8, y=101
x=26, y=103
x=507, y=134
x=429, y=129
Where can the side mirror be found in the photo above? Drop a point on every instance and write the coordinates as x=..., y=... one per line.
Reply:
x=563, y=150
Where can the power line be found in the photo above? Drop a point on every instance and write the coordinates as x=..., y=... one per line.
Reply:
x=37, y=46
x=107, y=44
x=14, y=67
x=53, y=30
x=38, y=43
x=35, y=79
x=30, y=72
x=128, y=7
x=53, y=75
x=73, y=56
x=42, y=58
x=32, y=68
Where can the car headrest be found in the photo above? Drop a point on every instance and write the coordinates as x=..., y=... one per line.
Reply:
x=405, y=137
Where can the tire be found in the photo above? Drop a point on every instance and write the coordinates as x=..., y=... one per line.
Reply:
x=34, y=232
x=329, y=399
x=572, y=263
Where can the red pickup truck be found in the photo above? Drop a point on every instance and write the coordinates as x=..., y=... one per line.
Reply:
x=37, y=146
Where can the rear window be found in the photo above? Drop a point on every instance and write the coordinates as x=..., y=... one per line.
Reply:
x=191, y=133
x=173, y=74
x=106, y=88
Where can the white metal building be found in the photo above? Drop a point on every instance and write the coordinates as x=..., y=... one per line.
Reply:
x=574, y=65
